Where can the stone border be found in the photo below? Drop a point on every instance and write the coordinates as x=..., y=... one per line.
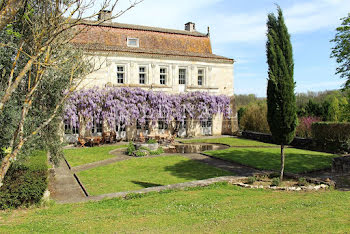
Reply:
x=179, y=186
x=298, y=188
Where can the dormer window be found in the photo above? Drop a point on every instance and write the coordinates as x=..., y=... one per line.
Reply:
x=133, y=42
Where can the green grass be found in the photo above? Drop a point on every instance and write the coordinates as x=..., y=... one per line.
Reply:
x=80, y=156
x=232, y=141
x=219, y=208
x=297, y=161
x=138, y=173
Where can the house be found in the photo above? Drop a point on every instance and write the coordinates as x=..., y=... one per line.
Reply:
x=158, y=59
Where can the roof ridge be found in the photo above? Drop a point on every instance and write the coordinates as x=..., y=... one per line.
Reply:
x=142, y=28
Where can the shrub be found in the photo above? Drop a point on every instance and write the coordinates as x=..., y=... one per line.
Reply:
x=151, y=141
x=25, y=182
x=140, y=153
x=254, y=118
x=131, y=148
x=302, y=181
x=332, y=136
x=251, y=180
x=275, y=181
x=304, y=126
x=157, y=152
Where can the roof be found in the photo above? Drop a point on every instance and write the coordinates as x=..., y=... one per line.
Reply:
x=153, y=41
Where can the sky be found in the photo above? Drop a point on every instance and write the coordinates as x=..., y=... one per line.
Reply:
x=238, y=31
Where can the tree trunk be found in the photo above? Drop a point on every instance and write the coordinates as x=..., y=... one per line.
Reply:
x=6, y=162
x=282, y=163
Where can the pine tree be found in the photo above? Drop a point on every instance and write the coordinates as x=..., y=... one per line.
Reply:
x=281, y=105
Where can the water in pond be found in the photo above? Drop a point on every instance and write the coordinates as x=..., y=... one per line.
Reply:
x=193, y=148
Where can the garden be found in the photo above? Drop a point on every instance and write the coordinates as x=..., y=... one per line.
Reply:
x=125, y=171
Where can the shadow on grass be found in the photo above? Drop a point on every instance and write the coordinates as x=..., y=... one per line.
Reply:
x=193, y=170
x=296, y=161
x=145, y=184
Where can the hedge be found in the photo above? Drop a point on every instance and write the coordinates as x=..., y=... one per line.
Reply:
x=332, y=136
x=25, y=182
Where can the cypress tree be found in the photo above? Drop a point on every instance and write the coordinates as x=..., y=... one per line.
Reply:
x=281, y=105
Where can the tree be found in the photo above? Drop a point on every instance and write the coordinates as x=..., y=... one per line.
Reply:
x=341, y=50
x=38, y=64
x=281, y=104
x=8, y=11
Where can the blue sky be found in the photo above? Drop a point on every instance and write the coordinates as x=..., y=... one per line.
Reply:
x=238, y=31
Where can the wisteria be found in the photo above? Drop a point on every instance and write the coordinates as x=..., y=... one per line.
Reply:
x=126, y=105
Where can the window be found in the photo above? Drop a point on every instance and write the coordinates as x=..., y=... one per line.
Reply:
x=133, y=42
x=120, y=74
x=142, y=75
x=69, y=129
x=163, y=75
x=182, y=76
x=183, y=125
x=121, y=127
x=200, y=76
x=138, y=125
x=206, y=124
x=97, y=127
x=142, y=126
x=162, y=124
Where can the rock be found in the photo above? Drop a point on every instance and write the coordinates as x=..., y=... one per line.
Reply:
x=298, y=189
x=324, y=186
x=317, y=187
x=46, y=195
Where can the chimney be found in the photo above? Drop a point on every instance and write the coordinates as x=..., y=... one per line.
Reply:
x=191, y=27
x=105, y=15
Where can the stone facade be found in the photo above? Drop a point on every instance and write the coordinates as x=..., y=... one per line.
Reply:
x=166, y=60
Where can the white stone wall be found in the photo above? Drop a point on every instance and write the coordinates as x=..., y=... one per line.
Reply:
x=218, y=77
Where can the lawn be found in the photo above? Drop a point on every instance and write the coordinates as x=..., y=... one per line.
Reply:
x=218, y=208
x=297, y=161
x=232, y=141
x=138, y=173
x=80, y=156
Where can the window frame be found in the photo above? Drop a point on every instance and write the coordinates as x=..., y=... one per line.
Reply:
x=97, y=127
x=131, y=39
x=69, y=129
x=122, y=73
x=200, y=77
x=162, y=125
x=143, y=73
x=164, y=74
x=182, y=80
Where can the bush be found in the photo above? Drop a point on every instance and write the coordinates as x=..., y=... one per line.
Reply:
x=251, y=180
x=151, y=141
x=275, y=181
x=140, y=153
x=25, y=182
x=302, y=181
x=131, y=148
x=254, y=118
x=332, y=136
x=157, y=152
x=304, y=126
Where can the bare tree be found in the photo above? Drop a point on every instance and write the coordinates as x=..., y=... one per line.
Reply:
x=47, y=28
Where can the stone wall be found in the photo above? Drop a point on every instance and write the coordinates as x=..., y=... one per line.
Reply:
x=218, y=76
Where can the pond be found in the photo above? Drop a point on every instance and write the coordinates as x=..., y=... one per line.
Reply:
x=193, y=148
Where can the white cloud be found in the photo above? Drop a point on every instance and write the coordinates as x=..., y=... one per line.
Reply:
x=246, y=26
